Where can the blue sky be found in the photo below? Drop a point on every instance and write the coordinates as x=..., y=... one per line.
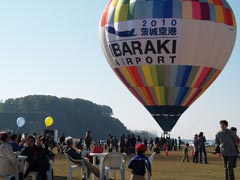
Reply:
x=52, y=48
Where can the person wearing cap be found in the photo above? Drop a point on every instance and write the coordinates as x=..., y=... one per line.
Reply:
x=227, y=142
x=139, y=163
x=76, y=156
x=6, y=150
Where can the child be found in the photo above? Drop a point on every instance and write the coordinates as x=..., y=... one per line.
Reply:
x=185, y=153
x=138, y=163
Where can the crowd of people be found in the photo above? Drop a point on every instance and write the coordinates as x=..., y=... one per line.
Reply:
x=38, y=150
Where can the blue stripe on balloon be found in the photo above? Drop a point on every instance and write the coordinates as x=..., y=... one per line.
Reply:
x=157, y=6
x=182, y=94
x=168, y=9
x=180, y=75
x=140, y=10
x=177, y=9
x=173, y=75
x=226, y=5
x=212, y=12
x=186, y=75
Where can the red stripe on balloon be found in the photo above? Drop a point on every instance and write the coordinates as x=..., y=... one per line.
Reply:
x=121, y=77
x=132, y=90
x=196, y=9
x=136, y=76
x=202, y=77
x=194, y=96
x=217, y=2
x=150, y=95
x=105, y=14
x=229, y=17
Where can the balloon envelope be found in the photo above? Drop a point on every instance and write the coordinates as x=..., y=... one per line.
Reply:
x=20, y=122
x=48, y=121
x=167, y=52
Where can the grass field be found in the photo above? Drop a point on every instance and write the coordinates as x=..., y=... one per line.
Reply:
x=164, y=168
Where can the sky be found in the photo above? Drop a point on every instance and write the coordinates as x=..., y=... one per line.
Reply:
x=52, y=48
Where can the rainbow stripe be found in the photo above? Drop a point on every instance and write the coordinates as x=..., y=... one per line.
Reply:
x=167, y=85
x=209, y=10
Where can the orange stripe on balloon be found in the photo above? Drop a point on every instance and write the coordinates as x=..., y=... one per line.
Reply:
x=202, y=77
x=187, y=10
x=135, y=74
x=105, y=14
x=225, y=15
x=212, y=79
x=146, y=93
x=128, y=76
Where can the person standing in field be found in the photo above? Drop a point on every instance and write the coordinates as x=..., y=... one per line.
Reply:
x=196, y=149
x=185, y=153
x=88, y=140
x=179, y=144
x=202, y=148
x=227, y=142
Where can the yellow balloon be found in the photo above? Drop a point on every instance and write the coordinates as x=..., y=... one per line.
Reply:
x=48, y=121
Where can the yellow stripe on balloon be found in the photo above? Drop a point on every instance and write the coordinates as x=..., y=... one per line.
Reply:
x=114, y=3
x=162, y=93
x=187, y=10
x=219, y=14
x=234, y=20
x=210, y=1
x=128, y=76
x=121, y=13
x=154, y=75
x=158, y=95
x=147, y=75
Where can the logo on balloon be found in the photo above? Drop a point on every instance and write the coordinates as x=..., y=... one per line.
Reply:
x=112, y=30
x=155, y=42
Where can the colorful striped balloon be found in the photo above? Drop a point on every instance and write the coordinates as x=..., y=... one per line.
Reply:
x=167, y=52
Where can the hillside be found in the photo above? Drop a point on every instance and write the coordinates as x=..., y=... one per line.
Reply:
x=71, y=116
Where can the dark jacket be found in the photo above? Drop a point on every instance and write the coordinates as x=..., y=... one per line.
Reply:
x=227, y=141
x=38, y=158
x=73, y=153
x=138, y=164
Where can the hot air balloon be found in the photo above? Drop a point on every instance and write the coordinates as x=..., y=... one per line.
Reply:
x=167, y=52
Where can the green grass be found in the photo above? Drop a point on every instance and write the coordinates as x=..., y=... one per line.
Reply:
x=164, y=168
